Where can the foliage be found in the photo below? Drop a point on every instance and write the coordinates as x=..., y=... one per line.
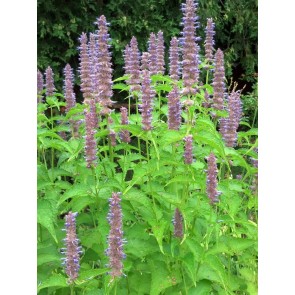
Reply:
x=60, y=25
x=217, y=253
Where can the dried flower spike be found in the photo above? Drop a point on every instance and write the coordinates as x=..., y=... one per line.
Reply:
x=115, y=238
x=72, y=250
x=212, y=192
x=178, y=224
x=188, y=149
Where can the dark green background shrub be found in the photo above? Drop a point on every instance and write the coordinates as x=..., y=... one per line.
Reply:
x=61, y=22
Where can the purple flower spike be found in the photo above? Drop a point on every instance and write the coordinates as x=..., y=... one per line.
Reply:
x=145, y=61
x=134, y=69
x=178, y=224
x=146, y=101
x=152, y=49
x=174, y=109
x=218, y=81
x=229, y=125
x=212, y=192
x=115, y=238
x=160, y=53
x=69, y=93
x=190, y=49
x=39, y=86
x=104, y=74
x=209, y=41
x=188, y=149
x=93, y=59
x=91, y=122
x=124, y=134
x=174, y=68
x=72, y=250
x=49, y=84
x=85, y=70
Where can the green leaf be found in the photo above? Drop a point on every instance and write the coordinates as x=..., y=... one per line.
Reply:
x=90, y=274
x=190, y=266
x=158, y=231
x=79, y=189
x=169, y=137
x=203, y=287
x=46, y=216
x=56, y=280
x=160, y=277
x=48, y=257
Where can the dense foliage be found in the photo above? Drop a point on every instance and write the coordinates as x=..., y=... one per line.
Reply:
x=61, y=22
x=159, y=197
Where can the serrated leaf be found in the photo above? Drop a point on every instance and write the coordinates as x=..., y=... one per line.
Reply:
x=48, y=257
x=79, y=189
x=190, y=266
x=158, y=230
x=46, y=216
x=91, y=273
x=56, y=280
x=237, y=245
x=161, y=278
x=203, y=287
x=169, y=137
x=80, y=203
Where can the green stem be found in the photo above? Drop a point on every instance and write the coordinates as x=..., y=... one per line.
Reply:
x=254, y=117
x=72, y=289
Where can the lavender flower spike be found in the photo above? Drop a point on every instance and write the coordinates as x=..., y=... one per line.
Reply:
x=145, y=61
x=134, y=68
x=174, y=109
x=115, y=238
x=212, y=192
x=49, y=84
x=188, y=149
x=178, y=224
x=69, y=93
x=39, y=87
x=160, y=55
x=209, y=41
x=229, y=125
x=190, y=49
x=124, y=134
x=72, y=250
x=104, y=73
x=218, y=81
x=174, y=68
x=85, y=70
x=146, y=101
x=152, y=49
x=91, y=122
